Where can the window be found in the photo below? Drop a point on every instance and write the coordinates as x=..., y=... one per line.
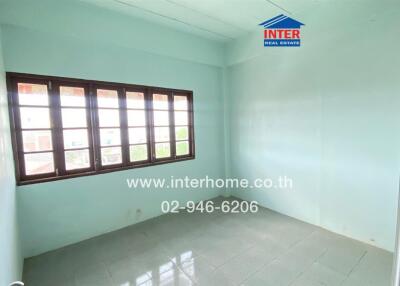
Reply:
x=68, y=127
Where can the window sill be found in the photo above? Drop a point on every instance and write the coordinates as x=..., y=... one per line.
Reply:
x=105, y=171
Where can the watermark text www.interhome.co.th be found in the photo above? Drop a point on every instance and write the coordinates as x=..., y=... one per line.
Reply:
x=281, y=182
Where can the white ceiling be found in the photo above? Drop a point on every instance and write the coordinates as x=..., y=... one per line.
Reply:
x=221, y=20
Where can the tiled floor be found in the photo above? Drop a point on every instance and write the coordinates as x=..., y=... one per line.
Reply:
x=263, y=249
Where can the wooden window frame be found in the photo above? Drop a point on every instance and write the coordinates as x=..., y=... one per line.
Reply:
x=90, y=86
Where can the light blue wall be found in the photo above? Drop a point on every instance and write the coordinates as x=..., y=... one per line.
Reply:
x=325, y=114
x=10, y=254
x=59, y=213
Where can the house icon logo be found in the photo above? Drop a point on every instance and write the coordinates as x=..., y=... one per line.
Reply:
x=281, y=31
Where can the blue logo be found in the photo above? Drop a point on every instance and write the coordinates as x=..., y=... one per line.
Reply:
x=282, y=31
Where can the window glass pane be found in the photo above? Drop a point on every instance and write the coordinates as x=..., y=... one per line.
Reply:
x=138, y=152
x=161, y=118
x=180, y=102
x=73, y=117
x=107, y=98
x=39, y=163
x=75, y=138
x=32, y=94
x=137, y=135
x=182, y=148
x=181, y=118
x=108, y=118
x=32, y=117
x=77, y=159
x=135, y=100
x=163, y=150
x=161, y=134
x=110, y=137
x=160, y=101
x=136, y=118
x=37, y=141
x=72, y=96
x=111, y=156
x=181, y=133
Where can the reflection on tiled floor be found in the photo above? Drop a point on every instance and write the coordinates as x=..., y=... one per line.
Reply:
x=263, y=249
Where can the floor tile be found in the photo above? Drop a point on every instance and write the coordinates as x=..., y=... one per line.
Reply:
x=93, y=275
x=127, y=271
x=196, y=268
x=169, y=274
x=216, y=278
x=341, y=261
x=240, y=268
x=319, y=274
x=374, y=268
x=262, y=249
x=283, y=270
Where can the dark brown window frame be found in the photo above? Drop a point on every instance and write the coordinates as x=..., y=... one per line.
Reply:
x=90, y=86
